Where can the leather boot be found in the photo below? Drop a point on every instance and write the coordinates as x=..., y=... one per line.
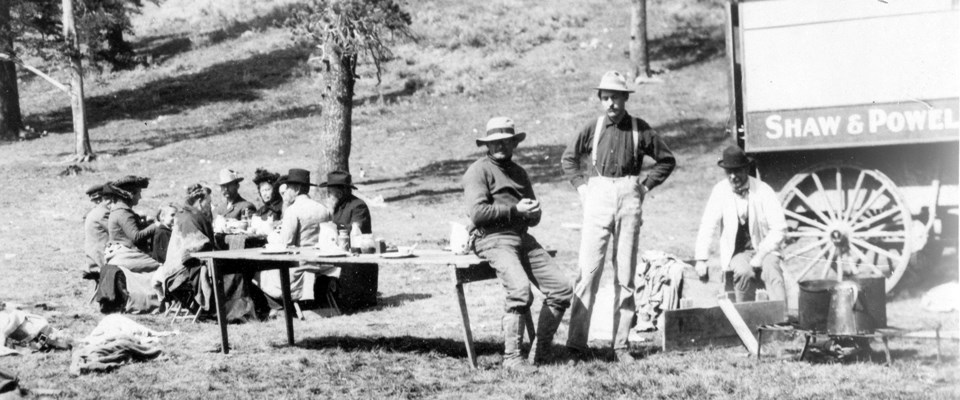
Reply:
x=541, y=350
x=512, y=334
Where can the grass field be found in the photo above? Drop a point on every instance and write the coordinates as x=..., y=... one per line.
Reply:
x=224, y=88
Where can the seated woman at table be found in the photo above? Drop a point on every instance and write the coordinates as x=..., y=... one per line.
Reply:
x=179, y=277
x=127, y=231
x=266, y=182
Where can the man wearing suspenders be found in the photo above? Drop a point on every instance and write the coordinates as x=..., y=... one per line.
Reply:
x=615, y=144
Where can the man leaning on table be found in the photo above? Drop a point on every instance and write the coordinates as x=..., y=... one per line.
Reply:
x=299, y=227
x=501, y=205
x=614, y=145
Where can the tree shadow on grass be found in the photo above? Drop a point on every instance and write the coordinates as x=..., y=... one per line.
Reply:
x=400, y=344
x=397, y=300
x=685, y=48
x=159, y=48
x=238, y=80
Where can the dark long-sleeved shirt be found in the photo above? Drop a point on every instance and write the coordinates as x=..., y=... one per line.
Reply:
x=95, y=234
x=124, y=226
x=492, y=190
x=350, y=210
x=161, y=238
x=615, y=152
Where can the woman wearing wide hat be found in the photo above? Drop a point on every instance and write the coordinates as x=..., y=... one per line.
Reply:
x=268, y=188
x=128, y=235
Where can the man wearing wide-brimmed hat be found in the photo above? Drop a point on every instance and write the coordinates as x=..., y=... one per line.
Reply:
x=752, y=228
x=236, y=206
x=95, y=235
x=347, y=208
x=502, y=206
x=614, y=145
x=299, y=227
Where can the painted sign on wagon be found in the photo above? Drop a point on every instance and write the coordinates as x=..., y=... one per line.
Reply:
x=918, y=121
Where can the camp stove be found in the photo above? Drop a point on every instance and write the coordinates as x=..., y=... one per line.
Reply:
x=839, y=319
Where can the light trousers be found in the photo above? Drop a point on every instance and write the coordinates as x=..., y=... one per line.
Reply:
x=611, y=212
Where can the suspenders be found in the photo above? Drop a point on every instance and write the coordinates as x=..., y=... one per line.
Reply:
x=599, y=131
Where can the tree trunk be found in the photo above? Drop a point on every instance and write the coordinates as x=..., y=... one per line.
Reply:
x=639, y=54
x=84, y=152
x=336, y=112
x=10, y=117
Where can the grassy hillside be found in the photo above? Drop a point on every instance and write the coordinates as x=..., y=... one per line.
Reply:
x=223, y=87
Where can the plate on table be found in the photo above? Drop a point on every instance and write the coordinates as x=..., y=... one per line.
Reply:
x=332, y=254
x=276, y=251
x=397, y=255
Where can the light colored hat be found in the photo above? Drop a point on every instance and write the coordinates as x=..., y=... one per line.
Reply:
x=613, y=80
x=229, y=176
x=499, y=128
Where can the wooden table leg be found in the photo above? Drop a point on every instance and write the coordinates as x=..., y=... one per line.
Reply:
x=467, y=334
x=288, y=310
x=759, y=342
x=806, y=345
x=217, y=272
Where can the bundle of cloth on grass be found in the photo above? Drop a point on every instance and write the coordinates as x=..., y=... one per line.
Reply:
x=659, y=286
x=115, y=341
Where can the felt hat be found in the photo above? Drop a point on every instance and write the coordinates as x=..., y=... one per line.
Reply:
x=614, y=81
x=262, y=175
x=734, y=157
x=112, y=191
x=500, y=128
x=296, y=175
x=95, y=191
x=338, y=178
x=131, y=182
x=229, y=176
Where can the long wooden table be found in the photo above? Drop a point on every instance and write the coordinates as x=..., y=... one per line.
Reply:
x=463, y=269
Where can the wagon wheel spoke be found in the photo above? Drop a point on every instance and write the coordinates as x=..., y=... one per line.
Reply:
x=797, y=234
x=898, y=236
x=838, y=177
x=806, y=220
x=806, y=201
x=830, y=265
x=870, y=221
x=856, y=197
x=831, y=210
x=813, y=262
x=890, y=256
x=869, y=203
x=866, y=260
x=803, y=250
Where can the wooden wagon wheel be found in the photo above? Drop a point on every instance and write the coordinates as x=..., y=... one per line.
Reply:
x=845, y=220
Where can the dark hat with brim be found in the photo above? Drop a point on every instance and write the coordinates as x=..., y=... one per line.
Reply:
x=111, y=190
x=95, y=191
x=131, y=182
x=734, y=157
x=296, y=175
x=338, y=179
x=500, y=128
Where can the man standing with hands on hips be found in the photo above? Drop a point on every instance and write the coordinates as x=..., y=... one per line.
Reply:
x=501, y=205
x=614, y=144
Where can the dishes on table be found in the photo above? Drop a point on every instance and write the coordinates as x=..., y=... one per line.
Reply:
x=277, y=251
x=397, y=255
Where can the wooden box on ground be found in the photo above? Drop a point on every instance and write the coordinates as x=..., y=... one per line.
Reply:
x=701, y=327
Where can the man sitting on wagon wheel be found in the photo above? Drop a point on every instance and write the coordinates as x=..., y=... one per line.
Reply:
x=752, y=228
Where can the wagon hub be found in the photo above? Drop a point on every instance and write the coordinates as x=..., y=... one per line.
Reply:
x=839, y=239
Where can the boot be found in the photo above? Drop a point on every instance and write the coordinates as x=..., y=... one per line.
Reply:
x=512, y=334
x=541, y=350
